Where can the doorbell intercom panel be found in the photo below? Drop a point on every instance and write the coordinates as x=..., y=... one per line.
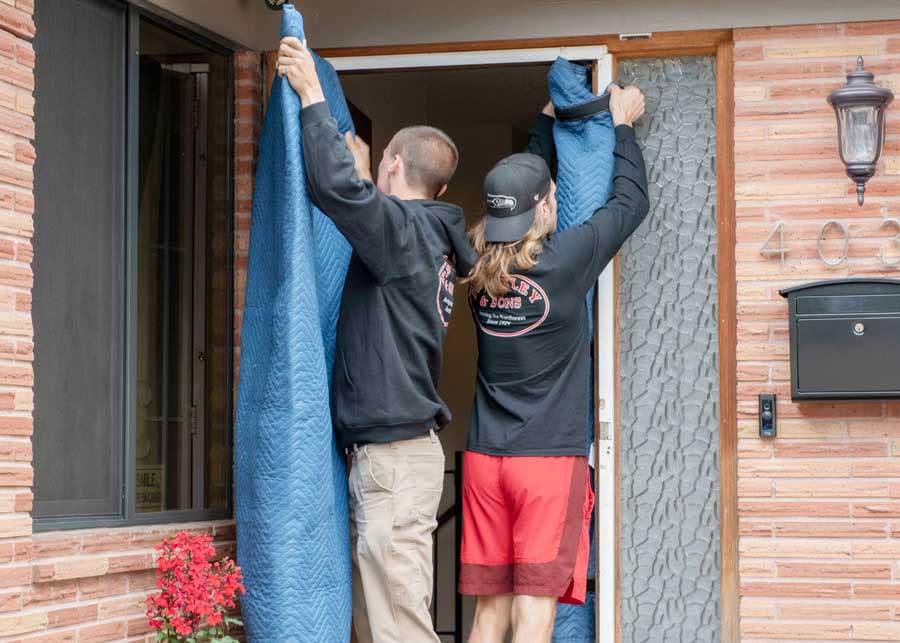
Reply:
x=767, y=415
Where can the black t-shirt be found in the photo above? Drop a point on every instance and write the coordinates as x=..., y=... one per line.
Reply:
x=532, y=395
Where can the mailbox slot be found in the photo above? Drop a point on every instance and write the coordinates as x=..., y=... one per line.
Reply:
x=845, y=339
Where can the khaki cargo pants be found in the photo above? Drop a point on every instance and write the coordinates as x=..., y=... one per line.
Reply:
x=395, y=490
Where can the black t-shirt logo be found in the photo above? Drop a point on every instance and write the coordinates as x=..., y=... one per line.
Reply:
x=446, y=284
x=524, y=307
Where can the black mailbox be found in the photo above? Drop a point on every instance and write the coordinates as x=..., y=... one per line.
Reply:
x=845, y=339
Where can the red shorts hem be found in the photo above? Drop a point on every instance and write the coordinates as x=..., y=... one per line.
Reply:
x=503, y=530
x=573, y=594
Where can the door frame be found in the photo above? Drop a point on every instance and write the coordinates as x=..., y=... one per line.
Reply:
x=716, y=42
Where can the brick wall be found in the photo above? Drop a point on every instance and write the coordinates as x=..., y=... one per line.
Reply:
x=248, y=123
x=820, y=505
x=16, y=348
x=82, y=585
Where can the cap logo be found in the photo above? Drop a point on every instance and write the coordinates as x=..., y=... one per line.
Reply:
x=501, y=202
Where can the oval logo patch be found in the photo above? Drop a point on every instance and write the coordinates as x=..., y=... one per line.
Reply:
x=522, y=309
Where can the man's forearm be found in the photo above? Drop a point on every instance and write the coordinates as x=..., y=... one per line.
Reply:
x=330, y=167
x=629, y=173
x=540, y=140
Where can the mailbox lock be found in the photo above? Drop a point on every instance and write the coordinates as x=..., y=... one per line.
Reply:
x=859, y=329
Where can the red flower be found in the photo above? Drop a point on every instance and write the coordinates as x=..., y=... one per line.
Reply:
x=195, y=593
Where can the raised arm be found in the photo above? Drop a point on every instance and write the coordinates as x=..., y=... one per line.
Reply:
x=540, y=138
x=377, y=226
x=593, y=244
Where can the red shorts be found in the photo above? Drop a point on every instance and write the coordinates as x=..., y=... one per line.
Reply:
x=526, y=526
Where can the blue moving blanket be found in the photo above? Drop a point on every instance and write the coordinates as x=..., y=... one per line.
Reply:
x=584, y=180
x=291, y=481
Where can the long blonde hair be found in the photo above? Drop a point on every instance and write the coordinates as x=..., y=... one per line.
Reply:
x=492, y=270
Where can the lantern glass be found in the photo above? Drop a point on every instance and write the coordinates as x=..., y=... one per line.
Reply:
x=860, y=128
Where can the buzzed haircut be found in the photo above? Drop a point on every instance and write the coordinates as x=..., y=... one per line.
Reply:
x=430, y=156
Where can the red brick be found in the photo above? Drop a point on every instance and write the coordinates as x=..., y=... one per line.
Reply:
x=15, y=276
x=766, y=631
x=25, y=54
x=104, y=632
x=11, y=601
x=138, y=626
x=777, y=589
x=16, y=527
x=142, y=581
x=837, y=530
x=876, y=509
x=744, y=53
x=793, y=468
x=105, y=540
x=72, y=615
x=58, y=636
x=24, y=502
x=56, y=546
x=130, y=563
x=877, y=590
x=827, y=31
x=800, y=508
x=834, y=570
x=123, y=606
x=102, y=586
x=20, y=476
x=876, y=468
x=16, y=21
x=24, y=550
x=831, y=449
x=757, y=568
x=834, y=611
x=779, y=70
x=13, y=576
x=58, y=592
x=747, y=527
x=15, y=451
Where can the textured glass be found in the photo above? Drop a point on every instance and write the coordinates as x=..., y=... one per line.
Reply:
x=859, y=128
x=669, y=556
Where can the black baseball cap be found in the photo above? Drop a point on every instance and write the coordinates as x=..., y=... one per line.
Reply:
x=512, y=190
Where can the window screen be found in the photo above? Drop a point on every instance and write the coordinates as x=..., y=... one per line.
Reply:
x=79, y=286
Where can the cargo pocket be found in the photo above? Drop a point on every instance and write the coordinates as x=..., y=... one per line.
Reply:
x=418, y=496
x=427, y=474
x=372, y=481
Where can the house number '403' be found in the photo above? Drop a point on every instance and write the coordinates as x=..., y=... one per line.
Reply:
x=774, y=244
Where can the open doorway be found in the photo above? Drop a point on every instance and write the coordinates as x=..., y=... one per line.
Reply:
x=487, y=111
x=662, y=393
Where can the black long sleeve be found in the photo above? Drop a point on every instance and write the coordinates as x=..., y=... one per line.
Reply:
x=540, y=141
x=377, y=226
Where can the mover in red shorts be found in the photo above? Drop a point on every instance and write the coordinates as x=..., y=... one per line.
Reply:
x=526, y=492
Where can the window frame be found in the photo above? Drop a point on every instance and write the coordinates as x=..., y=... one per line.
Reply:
x=136, y=12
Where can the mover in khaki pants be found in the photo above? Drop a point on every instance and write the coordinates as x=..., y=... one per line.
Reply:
x=396, y=306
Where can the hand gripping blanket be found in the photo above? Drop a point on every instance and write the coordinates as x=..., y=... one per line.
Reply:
x=291, y=482
x=584, y=149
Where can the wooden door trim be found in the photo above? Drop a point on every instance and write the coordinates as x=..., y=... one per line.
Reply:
x=727, y=300
x=670, y=43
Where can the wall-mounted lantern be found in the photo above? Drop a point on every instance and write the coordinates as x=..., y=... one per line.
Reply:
x=859, y=106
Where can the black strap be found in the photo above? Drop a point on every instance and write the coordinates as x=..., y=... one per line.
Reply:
x=584, y=110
